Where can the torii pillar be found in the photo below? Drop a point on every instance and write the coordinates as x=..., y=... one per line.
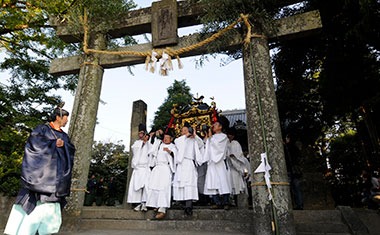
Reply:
x=256, y=61
x=83, y=120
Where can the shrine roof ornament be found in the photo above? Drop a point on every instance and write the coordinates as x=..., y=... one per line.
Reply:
x=197, y=114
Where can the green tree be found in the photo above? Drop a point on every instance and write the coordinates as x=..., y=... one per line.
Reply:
x=330, y=83
x=346, y=158
x=326, y=79
x=221, y=13
x=11, y=152
x=110, y=160
x=178, y=93
x=350, y=79
x=28, y=43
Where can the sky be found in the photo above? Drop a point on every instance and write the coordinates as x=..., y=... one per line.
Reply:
x=120, y=89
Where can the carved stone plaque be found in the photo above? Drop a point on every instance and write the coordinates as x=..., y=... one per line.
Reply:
x=164, y=23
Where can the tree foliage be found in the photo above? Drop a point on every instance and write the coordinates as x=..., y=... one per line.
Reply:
x=178, y=93
x=328, y=89
x=11, y=153
x=328, y=78
x=28, y=43
x=345, y=153
x=221, y=13
x=346, y=158
x=100, y=14
x=110, y=160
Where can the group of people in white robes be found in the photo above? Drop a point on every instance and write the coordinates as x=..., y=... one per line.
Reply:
x=164, y=169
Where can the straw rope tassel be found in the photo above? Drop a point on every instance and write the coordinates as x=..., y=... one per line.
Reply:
x=180, y=65
x=147, y=61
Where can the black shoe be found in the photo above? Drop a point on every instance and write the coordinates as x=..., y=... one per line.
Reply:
x=216, y=207
x=188, y=211
x=177, y=206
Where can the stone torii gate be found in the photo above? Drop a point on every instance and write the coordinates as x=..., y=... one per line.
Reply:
x=257, y=67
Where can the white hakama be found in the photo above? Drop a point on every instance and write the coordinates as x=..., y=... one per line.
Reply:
x=189, y=155
x=140, y=164
x=45, y=219
x=217, y=177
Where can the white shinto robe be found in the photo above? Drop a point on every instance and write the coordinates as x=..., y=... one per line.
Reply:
x=189, y=155
x=160, y=180
x=217, y=178
x=141, y=171
x=236, y=166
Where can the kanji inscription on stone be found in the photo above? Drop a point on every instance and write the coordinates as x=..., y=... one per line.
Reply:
x=164, y=23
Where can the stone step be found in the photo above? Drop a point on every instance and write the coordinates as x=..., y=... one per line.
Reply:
x=323, y=228
x=371, y=219
x=319, y=222
x=198, y=214
x=315, y=233
x=307, y=222
x=317, y=216
x=170, y=225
